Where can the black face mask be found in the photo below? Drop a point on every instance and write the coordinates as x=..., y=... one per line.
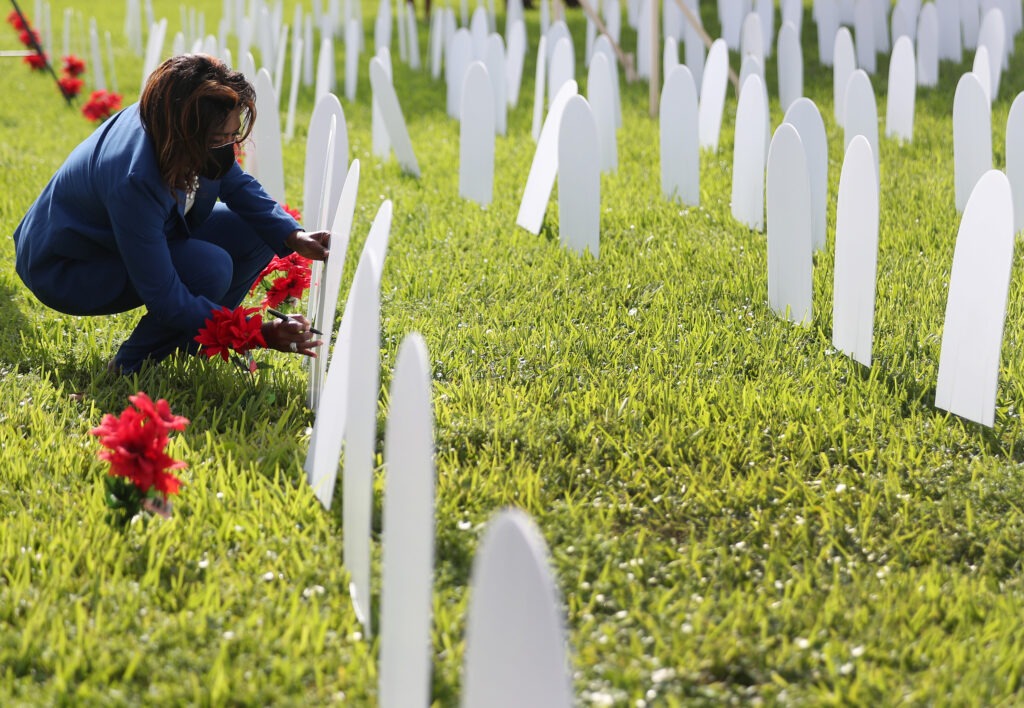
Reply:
x=218, y=161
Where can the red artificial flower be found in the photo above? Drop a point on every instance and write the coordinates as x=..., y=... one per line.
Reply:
x=73, y=66
x=36, y=61
x=291, y=262
x=101, y=105
x=136, y=442
x=14, y=20
x=292, y=284
x=70, y=86
x=231, y=330
x=294, y=213
x=26, y=36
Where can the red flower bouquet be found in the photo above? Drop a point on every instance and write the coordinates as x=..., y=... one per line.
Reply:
x=233, y=334
x=294, y=213
x=136, y=442
x=70, y=86
x=292, y=284
x=101, y=105
x=73, y=66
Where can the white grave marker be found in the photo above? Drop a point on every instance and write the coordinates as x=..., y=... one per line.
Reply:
x=514, y=58
x=515, y=634
x=972, y=136
x=748, y=155
x=861, y=112
x=378, y=132
x=538, y=89
x=789, y=227
x=899, y=107
x=384, y=93
x=494, y=59
x=328, y=108
x=579, y=178
x=1015, y=159
x=790, y=66
x=460, y=52
x=563, y=66
x=864, y=26
x=948, y=12
x=544, y=168
x=844, y=63
x=603, y=45
x=853, y=307
x=983, y=70
x=993, y=36
x=928, y=46
x=266, y=133
x=476, y=136
x=352, y=35
x=805, y=117
x=979, y=284
x=828, y=25
x=712, y=94
x=680, y=149
x=408, y=533
x=602, y=100
x=752, y=40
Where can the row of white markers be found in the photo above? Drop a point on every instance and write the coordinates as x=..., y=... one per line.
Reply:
x=513, y=595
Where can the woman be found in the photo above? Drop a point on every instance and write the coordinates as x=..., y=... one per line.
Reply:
x=131, y=218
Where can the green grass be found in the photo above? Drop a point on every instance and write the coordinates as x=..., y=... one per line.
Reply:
x=735, y=510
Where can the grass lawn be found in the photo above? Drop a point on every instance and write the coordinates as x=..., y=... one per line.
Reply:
x=735, y=510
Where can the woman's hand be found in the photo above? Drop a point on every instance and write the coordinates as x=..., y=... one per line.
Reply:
x=291, y=336
x=314, y=246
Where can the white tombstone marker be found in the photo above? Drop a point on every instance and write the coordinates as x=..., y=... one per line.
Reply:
x=579, y=178
x=324, y=70
x=514, y=58
x=828, y=25
x=853, y=307
x=901, y=25
x=790, y=66
x=99, y=80
x=327, y=109
x=352, y=35
x=330, y=278
x=670, y=55
x=972, y=136
x=864, y=26
x=765, y=10
x=928, y=46
x=613, y=19
x=950, y=47
x=413, y=37
x=680, y=149
x=1015, y=159
x=360, y=439
x=844, y=63
x=805, y=117
x=494, y=59
x=899, y=107
x=379, y=141
x=544, y=168
x=644, y=40
x=476, y=136
x=557, y=32
x=979, y=284
x=563, y=66
x=970, y=22
x=603, y=45
x=460, y=52
x=602, y=100
x=748, y=155
x=266, y=133
x=384, y=93
x=515, y=634
x=789, y=227
x=983, y=71
x=435, y=44
x=538, y=88
x=154, y=48
x=712, y=94
x=752, y=39
x=478, y=31
x=403, y=32
x=382, y=26
x=881, y=11
x=408, y=532
x=694, y=54
x=993, y=36
x=732, y=14
x=293, y=89
x=861, y=112
x=792, y=11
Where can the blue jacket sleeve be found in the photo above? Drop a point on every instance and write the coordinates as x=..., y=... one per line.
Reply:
x=245, y=196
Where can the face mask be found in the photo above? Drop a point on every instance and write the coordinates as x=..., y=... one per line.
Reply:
x=218, y=161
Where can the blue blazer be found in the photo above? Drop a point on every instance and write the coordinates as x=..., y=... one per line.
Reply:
x=108, y=201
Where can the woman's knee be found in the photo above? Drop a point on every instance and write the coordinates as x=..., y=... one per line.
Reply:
x=204, y=268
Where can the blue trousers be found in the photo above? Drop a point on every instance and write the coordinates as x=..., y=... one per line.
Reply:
x=220, y=260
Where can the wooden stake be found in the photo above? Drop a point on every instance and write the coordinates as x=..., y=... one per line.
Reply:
x=706, y=38
x=625, y=59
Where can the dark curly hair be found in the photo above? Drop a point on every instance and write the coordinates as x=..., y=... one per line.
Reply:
x=184, y=103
